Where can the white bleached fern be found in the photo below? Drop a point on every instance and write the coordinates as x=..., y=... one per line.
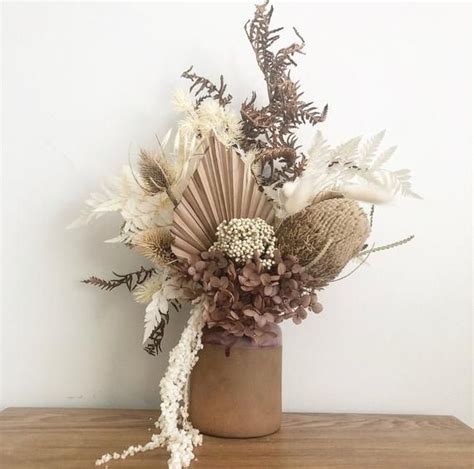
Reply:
x=138, y=209
x=355, y=168
x=157, y=291
x=154, y=313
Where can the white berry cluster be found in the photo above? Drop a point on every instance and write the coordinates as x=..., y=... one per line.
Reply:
x=177, y=433
x=240, y=238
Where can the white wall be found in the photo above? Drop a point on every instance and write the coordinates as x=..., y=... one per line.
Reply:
x=82, y=82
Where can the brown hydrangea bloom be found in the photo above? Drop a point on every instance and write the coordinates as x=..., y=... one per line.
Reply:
x=246, y=300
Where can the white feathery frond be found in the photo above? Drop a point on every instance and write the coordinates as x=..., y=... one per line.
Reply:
x=398, y=181
x=138, y=209
x=164, y=290
x=383, y=158
x=346, y=152
x=319, y=148
x=368, y=149
x=352, y=167
x=153, y=314
x=88, y=213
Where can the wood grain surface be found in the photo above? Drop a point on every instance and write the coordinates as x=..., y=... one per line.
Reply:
x=74, y=438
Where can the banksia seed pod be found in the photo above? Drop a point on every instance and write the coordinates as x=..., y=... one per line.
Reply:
x=324, y=236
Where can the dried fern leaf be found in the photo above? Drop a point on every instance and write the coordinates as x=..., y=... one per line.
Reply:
x=203, y=89
x=383, y=158
x=130, y=280
x=271, y=129
x=368, y=150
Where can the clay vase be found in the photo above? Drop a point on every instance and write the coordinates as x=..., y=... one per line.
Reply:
x=235, y=389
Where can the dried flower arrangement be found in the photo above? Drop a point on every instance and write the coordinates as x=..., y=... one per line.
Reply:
x=238, y=221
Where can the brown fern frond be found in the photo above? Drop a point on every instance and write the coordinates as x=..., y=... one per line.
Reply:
x=130, y=280
x=203, y=88
x=273, y=126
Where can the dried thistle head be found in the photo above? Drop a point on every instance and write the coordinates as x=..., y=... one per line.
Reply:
x=325, y=235
x=155, y=245
x=156, y=172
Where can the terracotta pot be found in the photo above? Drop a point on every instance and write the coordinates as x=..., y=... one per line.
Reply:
x=236, y=387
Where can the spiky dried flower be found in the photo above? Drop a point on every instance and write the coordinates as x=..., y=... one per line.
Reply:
x=155, y=245
x=157, y=173
x=246, y=300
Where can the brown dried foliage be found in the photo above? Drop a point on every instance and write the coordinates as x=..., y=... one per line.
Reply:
x=131, y=280
x=203, y=88
x=271, y=128
x=247, y=300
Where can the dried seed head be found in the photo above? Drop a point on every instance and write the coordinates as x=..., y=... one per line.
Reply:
x=156, y=173
x=325, y=236
x=155, y=244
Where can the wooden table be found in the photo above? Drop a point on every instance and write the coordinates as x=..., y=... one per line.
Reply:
x=74, y=438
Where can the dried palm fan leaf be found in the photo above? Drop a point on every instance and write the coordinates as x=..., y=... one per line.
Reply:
x=220, y=189
x=325, y=236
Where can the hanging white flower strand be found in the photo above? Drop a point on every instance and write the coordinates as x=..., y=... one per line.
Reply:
x=177, y=432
